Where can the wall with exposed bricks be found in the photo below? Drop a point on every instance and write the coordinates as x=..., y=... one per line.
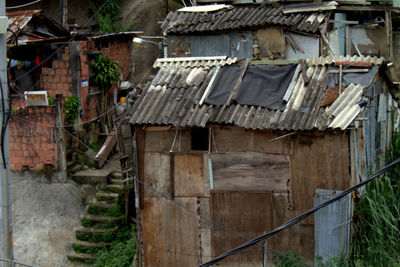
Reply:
x=32, y=129
x=57, y=79
x=32, y=138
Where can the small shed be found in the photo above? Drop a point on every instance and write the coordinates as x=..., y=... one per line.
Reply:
x=229, y=149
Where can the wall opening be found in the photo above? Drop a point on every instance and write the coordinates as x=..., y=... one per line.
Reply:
x=199, y=138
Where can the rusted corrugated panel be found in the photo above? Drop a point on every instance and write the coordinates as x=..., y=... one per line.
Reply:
x=17, y=22
x=240, y=17
x=332, y=225
x=345, y=108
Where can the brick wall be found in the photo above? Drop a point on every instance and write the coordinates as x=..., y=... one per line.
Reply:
x=32, y=139
x=57, y=79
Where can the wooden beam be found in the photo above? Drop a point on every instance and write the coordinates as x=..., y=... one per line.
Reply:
x=389, y=33
x=272, y=62
x=343, y=21
x=105, y=149
x=140, y=138
x=354, y=64
x=243, y=68
x=347, y=71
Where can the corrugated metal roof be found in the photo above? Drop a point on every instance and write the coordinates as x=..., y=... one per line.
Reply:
x=332, y=60
x=42, y=27
x=176, y=90
x=240, y=17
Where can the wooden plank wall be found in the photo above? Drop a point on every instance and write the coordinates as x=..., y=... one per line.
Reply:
x=308, y=161
x=170, y=233
x=251, y=171
x=247, y=213
x=318, y=161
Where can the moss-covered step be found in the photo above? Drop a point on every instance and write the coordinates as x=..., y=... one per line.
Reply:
x=114, y=188
x=92, y=234
x=102, y=208
x=106, y=196
x=80, y=257
x=100, y=221
x=86, y=247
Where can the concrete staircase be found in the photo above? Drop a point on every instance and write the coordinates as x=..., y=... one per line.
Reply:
x=99, y=223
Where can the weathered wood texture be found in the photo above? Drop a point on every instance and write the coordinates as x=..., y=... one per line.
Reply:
x=157, y=174
x=105, y=149
x=249, y=214
x=161, y=141
x=251, y=171
x=188, y=175
x=234, y=139
x=318, y=161
x=140, y=146
x=170, y=233
x=298, y=238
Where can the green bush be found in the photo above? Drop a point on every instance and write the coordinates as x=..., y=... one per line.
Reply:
x=72, y=106
x=105, y=72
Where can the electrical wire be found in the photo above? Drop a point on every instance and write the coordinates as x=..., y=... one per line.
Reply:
x=300, y=217
x=23, y=5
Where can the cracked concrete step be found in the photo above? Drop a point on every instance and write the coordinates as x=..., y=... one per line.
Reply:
x=90, y=176
x=106, y=196
x=80, y=257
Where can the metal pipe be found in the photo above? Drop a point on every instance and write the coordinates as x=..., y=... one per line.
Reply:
x=7, y=249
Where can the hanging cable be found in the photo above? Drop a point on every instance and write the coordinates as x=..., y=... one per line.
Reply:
x=23, y=5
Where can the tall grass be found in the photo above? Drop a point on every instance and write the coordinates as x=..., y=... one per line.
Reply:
x=377, y=218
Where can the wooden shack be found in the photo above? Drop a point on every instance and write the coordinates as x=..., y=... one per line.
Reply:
x=213, y=176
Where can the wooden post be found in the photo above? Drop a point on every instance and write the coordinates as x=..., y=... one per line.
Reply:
x=140, y=135
x=64, y=13
x=171, y=174
x=340, y=78
x=389, y=33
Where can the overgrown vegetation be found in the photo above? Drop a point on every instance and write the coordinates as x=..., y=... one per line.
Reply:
x=72, y=106
x=121, y=252
x=106, y=14
x=377, y=214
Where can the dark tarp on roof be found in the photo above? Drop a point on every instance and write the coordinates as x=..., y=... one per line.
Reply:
x=223, y=85
x=262, y=86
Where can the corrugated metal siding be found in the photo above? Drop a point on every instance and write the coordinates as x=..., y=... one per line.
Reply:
x=175, y=92
x=240, y=17
x=332, y=226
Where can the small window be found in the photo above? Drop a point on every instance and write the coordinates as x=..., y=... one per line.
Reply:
x=199, y=138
